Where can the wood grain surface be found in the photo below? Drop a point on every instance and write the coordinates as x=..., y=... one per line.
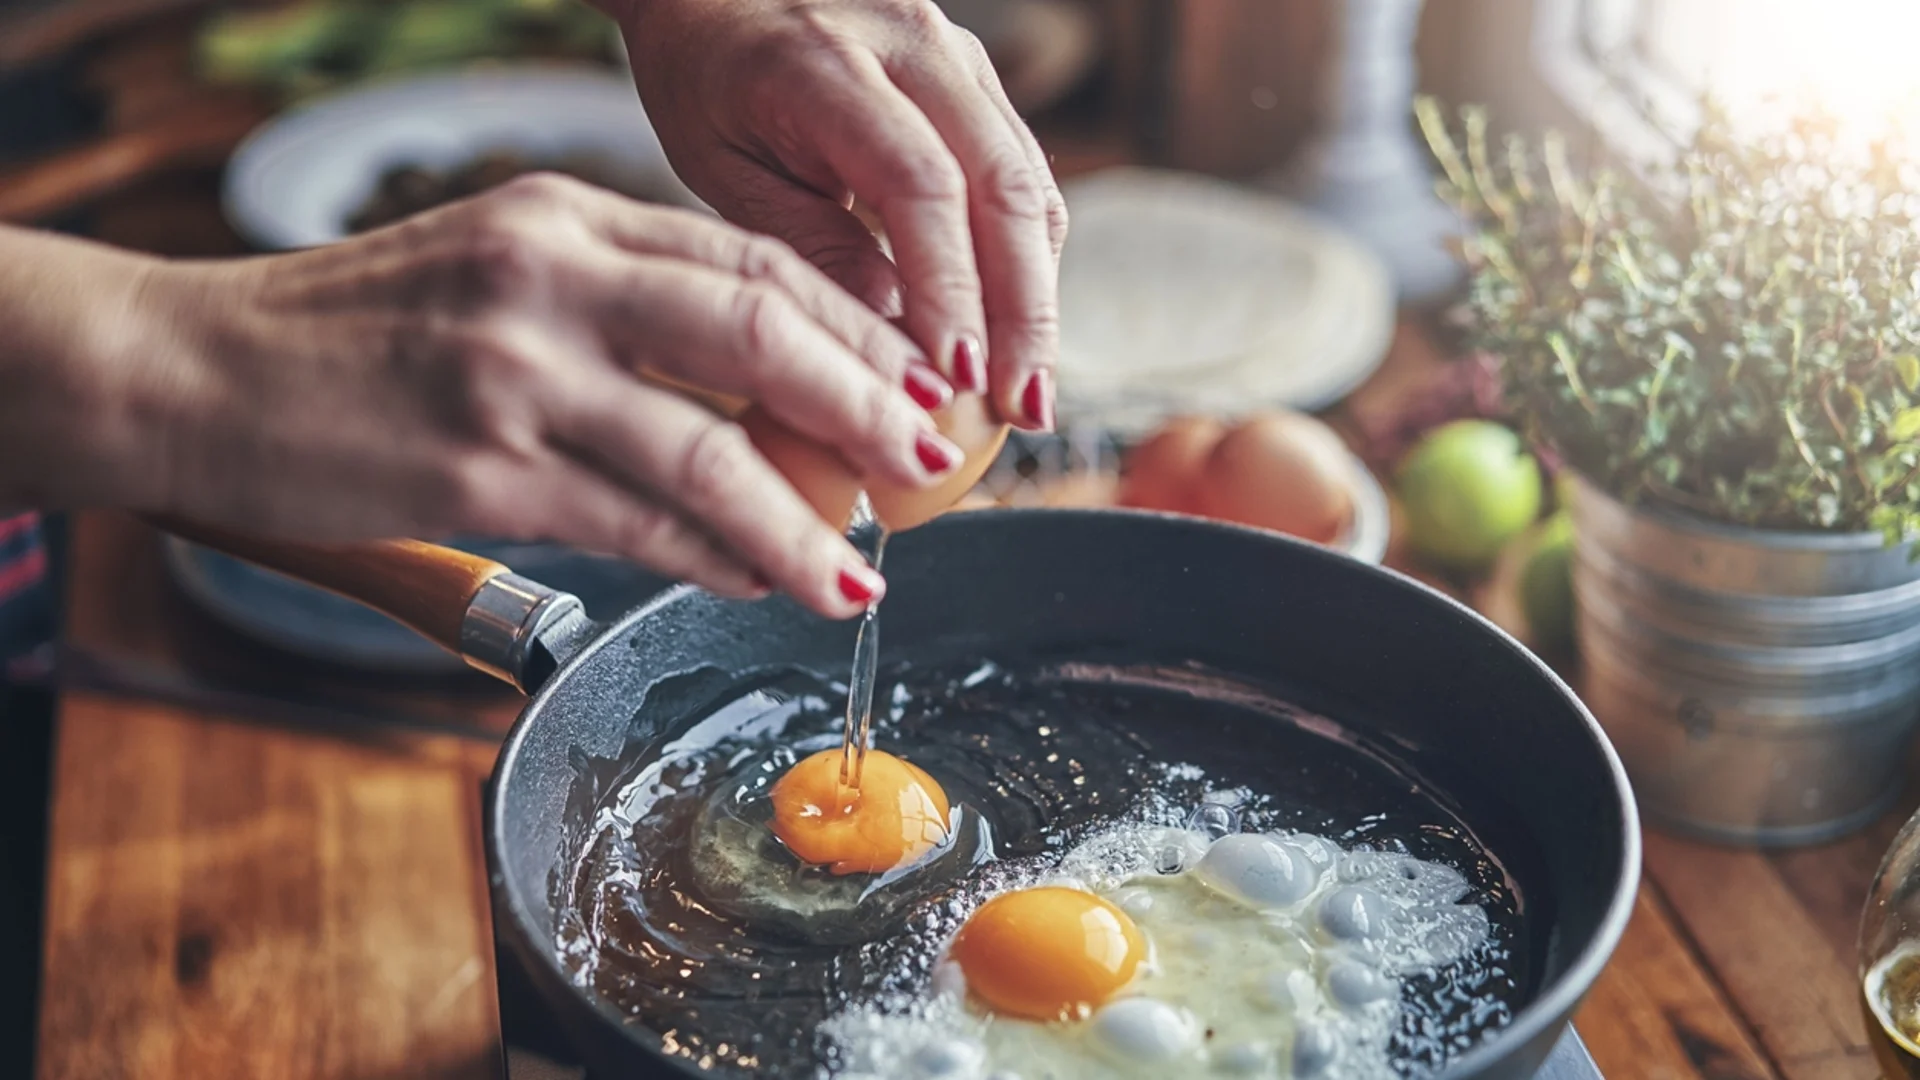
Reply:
x=233, y=900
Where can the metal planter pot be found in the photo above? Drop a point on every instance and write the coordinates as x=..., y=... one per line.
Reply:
x=1761, y=686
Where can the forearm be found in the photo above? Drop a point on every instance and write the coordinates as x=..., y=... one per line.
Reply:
x=79, y=405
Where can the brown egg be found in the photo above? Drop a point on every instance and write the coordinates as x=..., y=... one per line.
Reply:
x=1281, y=471
x=970, y=423
x=1083, y=491
x=831, y=485
x=821, y=476
x=974, y=500
x=1163, y=472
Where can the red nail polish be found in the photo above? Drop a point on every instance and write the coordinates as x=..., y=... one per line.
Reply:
x=861, y=586
x=936, y=454
x=969, y=365
x=761, y=582
x=1036, y=401
x=927, y=389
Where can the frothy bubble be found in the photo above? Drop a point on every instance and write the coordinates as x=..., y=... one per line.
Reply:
x=1288, y=952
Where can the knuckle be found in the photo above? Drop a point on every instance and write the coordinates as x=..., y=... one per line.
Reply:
x=883, y=348
x=924, y=20
x=1011, y=185
x=764, y=317
x=542, y=189
x=764, y=258
x=1058, y=220
x=1036, y=332
x=973, y=51
x=881, y=414
x=928, y=171
x=504, y=255
x=713, y=466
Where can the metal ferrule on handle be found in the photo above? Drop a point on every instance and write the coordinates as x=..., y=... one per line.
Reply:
x=508, y=622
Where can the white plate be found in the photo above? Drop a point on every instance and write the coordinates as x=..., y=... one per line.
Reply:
x=295, y=180
x=1181, y=293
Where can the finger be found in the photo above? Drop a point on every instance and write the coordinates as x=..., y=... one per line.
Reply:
x=883, y=346
x=886, y=151
x=582, y=507
x=1007, y=199
x=989, y=82
x=753, y=340
x=825, y=232
x=706, y=468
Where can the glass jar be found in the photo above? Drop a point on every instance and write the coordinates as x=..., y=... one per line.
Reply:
x=1890, y=957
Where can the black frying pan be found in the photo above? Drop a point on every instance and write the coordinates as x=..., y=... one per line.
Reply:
x=1466, y=706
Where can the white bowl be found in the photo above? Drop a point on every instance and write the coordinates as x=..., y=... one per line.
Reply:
x=294, y=182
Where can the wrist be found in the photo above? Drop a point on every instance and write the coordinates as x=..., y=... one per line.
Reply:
x=94, y=368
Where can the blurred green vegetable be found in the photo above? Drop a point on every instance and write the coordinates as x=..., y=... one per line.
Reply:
x=314, y=45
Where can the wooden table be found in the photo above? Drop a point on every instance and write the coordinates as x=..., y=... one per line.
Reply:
x=260, y=868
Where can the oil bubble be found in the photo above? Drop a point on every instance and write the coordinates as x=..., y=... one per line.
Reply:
x=1352, y=913
x=1213, y=820
x=1314, y=1049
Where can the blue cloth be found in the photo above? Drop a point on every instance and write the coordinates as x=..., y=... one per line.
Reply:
x=27, y=614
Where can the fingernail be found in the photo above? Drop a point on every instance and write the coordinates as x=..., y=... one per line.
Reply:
x=761, y=583
x=927, y=389
x=937, y=454
x=861, y=585
x=1036, y=401
x=969, y=365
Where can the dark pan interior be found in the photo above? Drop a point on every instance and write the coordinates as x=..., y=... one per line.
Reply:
x=1473, y=713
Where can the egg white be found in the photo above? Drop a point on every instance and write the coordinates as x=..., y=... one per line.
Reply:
x=1269, y=956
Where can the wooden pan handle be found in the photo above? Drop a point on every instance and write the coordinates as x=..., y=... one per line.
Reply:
x=203, y=133
x=426, y=586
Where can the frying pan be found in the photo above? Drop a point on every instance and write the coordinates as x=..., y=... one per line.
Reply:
x=1477, y=716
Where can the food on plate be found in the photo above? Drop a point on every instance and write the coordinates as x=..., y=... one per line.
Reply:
x=896, y=815
x=1469, y=487
x=1163, y=472
x=406, y=190
x=1281, y=471
x=307, y=46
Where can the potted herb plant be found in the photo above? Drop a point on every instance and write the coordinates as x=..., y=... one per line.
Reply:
x=1725, y=351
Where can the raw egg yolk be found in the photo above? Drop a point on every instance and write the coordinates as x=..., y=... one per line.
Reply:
x=1050, y=953
x=897, y=814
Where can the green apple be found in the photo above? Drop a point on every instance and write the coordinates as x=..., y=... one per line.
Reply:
x=1546, y=581
x=1469, y=487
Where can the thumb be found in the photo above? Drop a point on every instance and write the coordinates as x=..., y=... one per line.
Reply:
x=826, y=233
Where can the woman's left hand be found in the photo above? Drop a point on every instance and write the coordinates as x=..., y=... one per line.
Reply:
x=779, y=113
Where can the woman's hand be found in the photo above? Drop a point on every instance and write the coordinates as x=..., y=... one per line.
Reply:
x=779, y=112
x=473, y=370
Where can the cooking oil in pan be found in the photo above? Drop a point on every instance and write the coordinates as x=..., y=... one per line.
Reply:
x=683, y=912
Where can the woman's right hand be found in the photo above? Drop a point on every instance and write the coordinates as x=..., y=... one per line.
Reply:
x=473, y=370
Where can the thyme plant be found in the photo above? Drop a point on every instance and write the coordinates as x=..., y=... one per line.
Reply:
x=1739, y=336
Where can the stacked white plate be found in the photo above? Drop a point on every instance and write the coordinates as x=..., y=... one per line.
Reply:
x=1184, y=294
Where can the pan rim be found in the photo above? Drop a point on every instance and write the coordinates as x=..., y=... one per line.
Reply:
x=1552, y=1007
